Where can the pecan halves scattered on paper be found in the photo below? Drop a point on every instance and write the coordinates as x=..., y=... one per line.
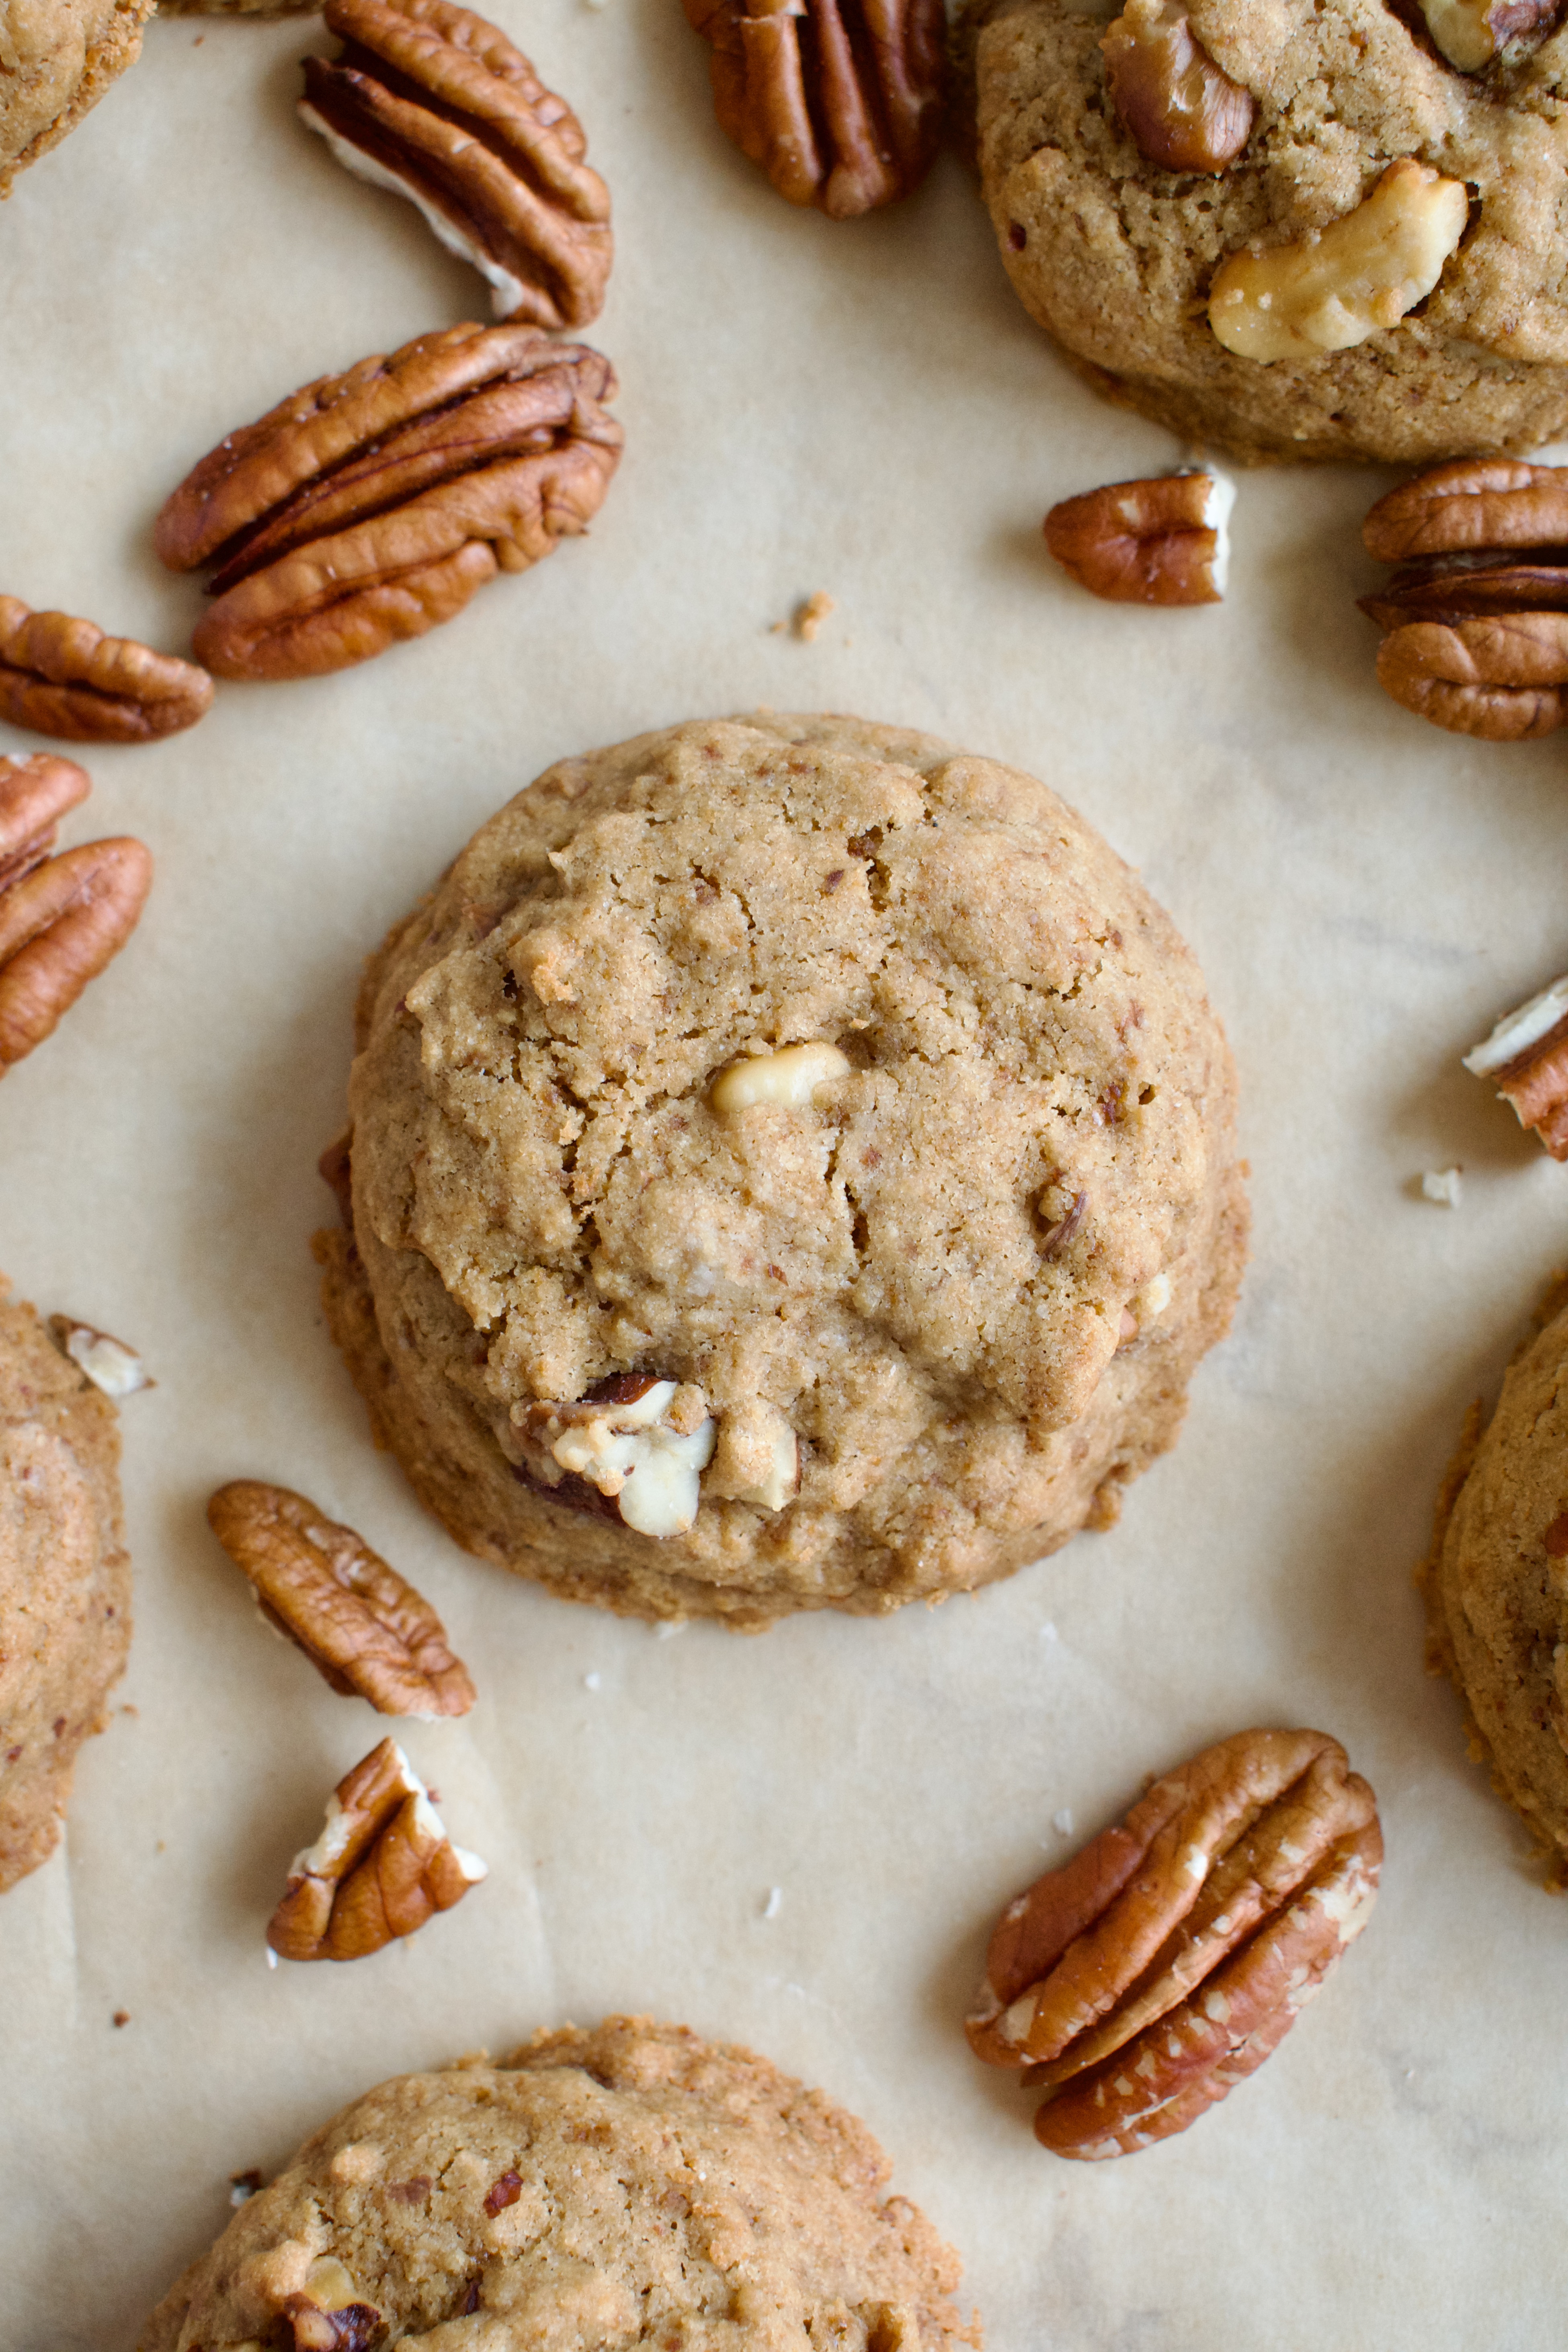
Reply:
x=1161, y=541
x=431, y=100
x=1180, y=110
x=35, y=793
x=59, y=925
x=1155, y=1970
x=360, y=1623
x=1476, y=618
x=62, y=676
x=370, y=506
x=839, y=101
x=381, y=1867
x=1526, y=1058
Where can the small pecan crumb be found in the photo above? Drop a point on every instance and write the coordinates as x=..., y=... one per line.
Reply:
x=120, y=2017
x=108, y=1362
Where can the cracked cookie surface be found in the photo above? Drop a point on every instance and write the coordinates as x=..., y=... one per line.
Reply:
x=1115, y=256
x=920, y=1324
x=634, y=2185
x=65, y=1580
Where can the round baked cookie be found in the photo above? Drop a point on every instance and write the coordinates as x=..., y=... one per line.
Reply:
x=1115, y=256
x=1497, y=1583
x=65, y=1580
x=792, y=1166
x=57, y=59
x=631, y=2186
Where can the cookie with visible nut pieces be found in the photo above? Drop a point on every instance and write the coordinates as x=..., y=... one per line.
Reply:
x=791, y=1166
x=616, y=2187
x=57, y=59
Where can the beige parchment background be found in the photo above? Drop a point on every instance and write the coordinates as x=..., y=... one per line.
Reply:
x=859, y=408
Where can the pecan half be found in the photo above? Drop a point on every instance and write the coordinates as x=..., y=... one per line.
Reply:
x=1470, y=33
x=35, y=793
x=1165, y=542
x=60, y=677
x=431, y=100
x=1471, y=505
x=1182, y=111
x=1526, y=1058
x=59, y=925
x=1504, y=679
x=1158, y=1967
x=370, y=506
x=364, y=1629
x=839, y=101
x=380, y=1868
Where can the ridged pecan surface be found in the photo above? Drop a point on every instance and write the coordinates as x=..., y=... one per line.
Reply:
x=1156, y=1969
x=369, y=506
x=1160, y=541
x=381, y=1867
x=1183, y=112
x=62, y=676
x=840, y=102
x=360, y=1625
x=59, y=925
x=433, y=101
x=35, y=793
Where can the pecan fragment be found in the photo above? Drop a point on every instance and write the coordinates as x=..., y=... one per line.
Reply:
x=60, y=677
x=1163, y=542
x=1182, y=110
x=112, y=1367
x=362, y=1627
x=1526, y=1058
x=839, y=101
x=381, y=1867
x=370, y=506
x=1470, y=33
x=431, y=100
x=640, y=1443
x=59, y=925
x=328, y=2313
x=35, y=793
x=1144, y=1979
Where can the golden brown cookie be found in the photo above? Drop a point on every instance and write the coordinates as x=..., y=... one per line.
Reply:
x=633, y=2184
x=65, y=1580
x=793, y=1167
x=57, y=59
x=1442, y=330
x=1497, y=1583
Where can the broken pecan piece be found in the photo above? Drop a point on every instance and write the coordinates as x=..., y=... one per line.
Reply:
x=370, y=506
x=1526, y=1058
x=1182, y=111
x=59, y=925
x=60, y=677
x=839, y=101
x=35, y=793
x=1470, y=33
x=431, y=100
x=329, y=2314
x=380, y=1868
x=1165, y=542
x=1144, y=1979
x=366, y=1630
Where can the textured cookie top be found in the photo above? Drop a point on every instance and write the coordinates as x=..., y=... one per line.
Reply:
x=630, y=2187
x=56, y=58
x=1500, y=1592
x=1007, y=1164
x=1116, y=254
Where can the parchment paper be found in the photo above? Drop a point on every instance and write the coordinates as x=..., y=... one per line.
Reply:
x=862, y=409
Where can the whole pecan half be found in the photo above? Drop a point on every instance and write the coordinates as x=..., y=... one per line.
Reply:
x=840, y=102
x=434, y=102
x=370, y=506
x=60, y=677
x=1504, y=679
x=1526, y=1058
x=1474, y=504
x=1163, y=541
x=1156, y=1969
x=366, y=1630
x=381, y=1867
x=1182, y=111
x=35, y=793
x=59, y=925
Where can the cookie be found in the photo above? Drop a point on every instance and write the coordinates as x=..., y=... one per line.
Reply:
x=57, y=59
x=1117, y=256
x=1497, y=1583
x=634, y=2185
x=792, y=1166
x=65, y=1580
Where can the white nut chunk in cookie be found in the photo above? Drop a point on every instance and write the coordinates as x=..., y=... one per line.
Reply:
x=646, y=1451
x=789, y=1077
x=757, y=1459
x=1347, y=281
x=1469, y=33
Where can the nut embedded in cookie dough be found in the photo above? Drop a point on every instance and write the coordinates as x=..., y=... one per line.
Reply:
x=791, y=1166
